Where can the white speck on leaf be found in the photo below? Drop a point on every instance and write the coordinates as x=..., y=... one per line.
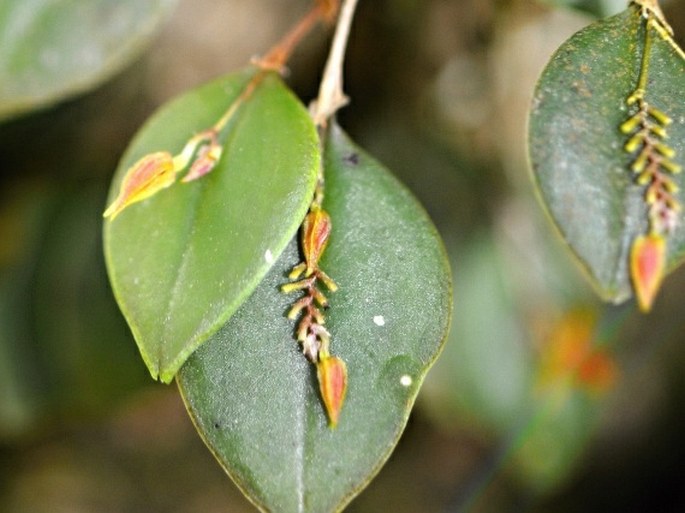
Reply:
x=379, y=320
x=268, y=256
x=406, y=380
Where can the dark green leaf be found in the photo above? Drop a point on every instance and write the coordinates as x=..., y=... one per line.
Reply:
x=254, y=397
x=58, y=320
x=182, y=261
x=576, y=147
x=597, y=8
x=50, y=50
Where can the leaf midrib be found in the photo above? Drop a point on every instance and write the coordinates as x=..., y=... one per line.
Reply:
x=176, y=289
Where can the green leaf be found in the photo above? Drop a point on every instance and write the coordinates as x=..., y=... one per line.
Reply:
x=182, y=261
x=597, y=8
x=511, y=389
x=482, y=379
x=58, y=320
x=577, y=149
x=254, y=397
x=51, y=50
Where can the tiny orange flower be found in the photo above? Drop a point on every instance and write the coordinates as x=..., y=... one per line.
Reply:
x=146, y=177
x=316, y=229
x=332, y=374
x=647, y=268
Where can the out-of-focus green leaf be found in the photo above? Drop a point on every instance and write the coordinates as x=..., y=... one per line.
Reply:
x=517, y=368
x=75, y=317
x=58, y=320
x=182, y=261
x=552, y=442
x=577, y=149
x=21, y=221
x=598, y=8
x=484, y=375
x=53, y=49
x=254, y=397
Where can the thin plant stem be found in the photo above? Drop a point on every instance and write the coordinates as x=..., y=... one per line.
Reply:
x=278, y=56
x=331, y=95
x=646, y=55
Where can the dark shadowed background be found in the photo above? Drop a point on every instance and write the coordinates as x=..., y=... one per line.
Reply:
x=507, y=420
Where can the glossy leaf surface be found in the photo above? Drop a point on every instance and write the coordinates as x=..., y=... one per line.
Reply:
x=182, y=261
x=577, y=149
x=50, y=50
x=254, y=397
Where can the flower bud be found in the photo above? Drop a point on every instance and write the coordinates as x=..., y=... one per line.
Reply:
x=631, y=124
x=647, y=267
x=332, y=374
x=316, y=229
x=146, y=177
x=207, y=158
x=634, y=142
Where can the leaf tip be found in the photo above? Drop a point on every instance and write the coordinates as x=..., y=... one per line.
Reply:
x=332, y=375
x=165, y=377
x=647, y=265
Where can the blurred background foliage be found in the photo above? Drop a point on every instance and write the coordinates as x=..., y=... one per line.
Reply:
x=544, y=400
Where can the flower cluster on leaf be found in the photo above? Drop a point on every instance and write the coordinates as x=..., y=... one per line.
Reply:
x=653, y=163
x=159, y=170
x=653, y=166
x=311, y=332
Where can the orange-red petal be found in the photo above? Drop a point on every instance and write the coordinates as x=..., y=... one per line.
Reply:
x=332, y=374
x=647, y=268
x=316, y=229
x=146, y=177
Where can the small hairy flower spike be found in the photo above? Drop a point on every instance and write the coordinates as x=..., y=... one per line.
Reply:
x=653, y=166
x=146, y=177
x=332, y=374
x=647, y=268
x=310, y=331
x=314, y=233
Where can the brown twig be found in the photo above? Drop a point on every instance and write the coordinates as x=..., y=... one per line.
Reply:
x=278, y=56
